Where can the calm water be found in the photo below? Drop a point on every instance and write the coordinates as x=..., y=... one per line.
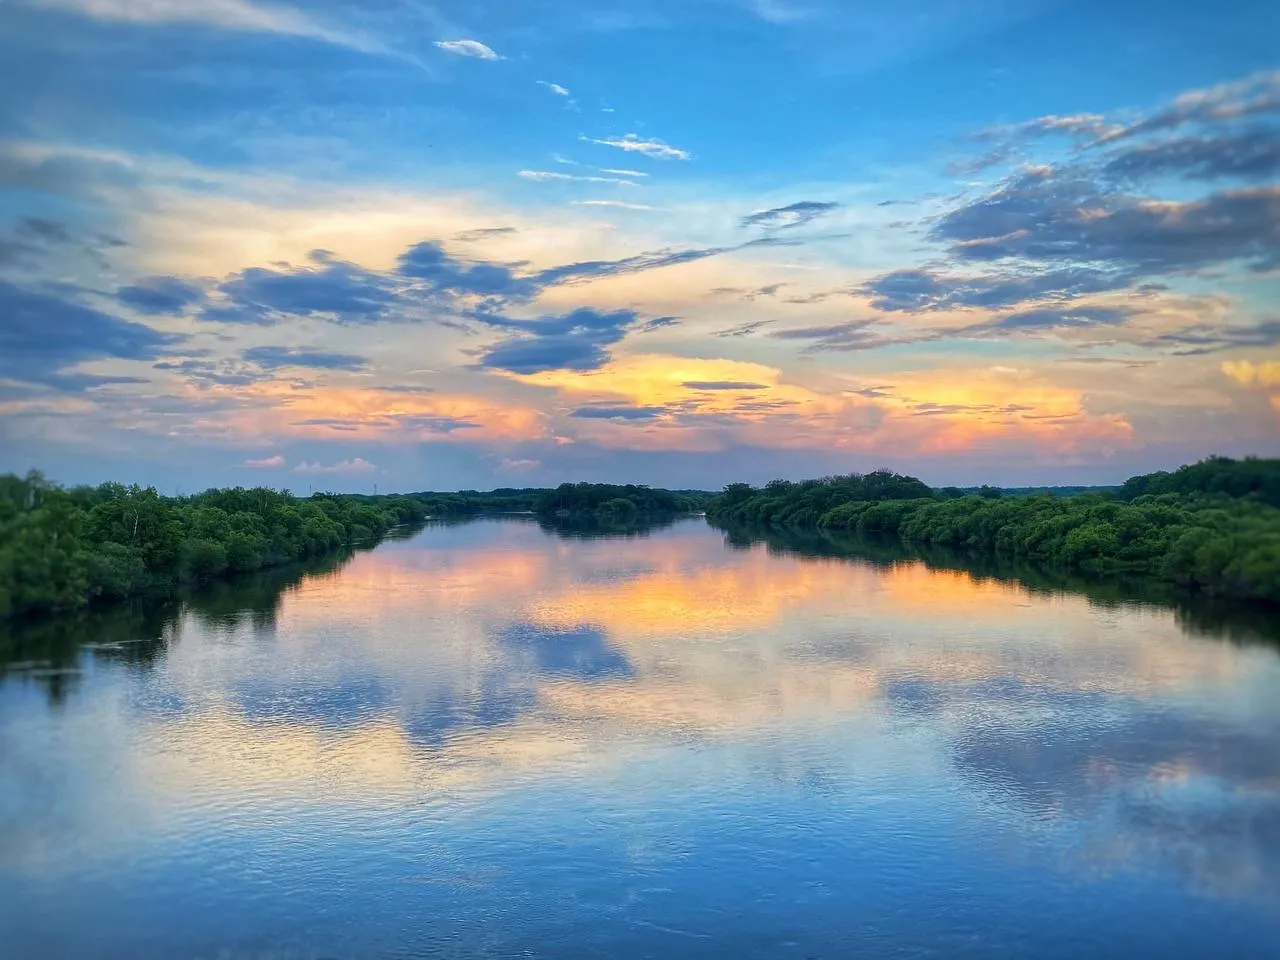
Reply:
x=488, y=740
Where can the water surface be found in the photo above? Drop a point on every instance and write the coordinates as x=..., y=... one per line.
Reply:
x=491, y=740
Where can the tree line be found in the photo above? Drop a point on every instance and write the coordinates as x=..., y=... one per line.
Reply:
x=1213, y=526
x=61, y=549
x=66, y=548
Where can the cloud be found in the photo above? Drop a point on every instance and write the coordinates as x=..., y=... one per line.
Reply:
x=427, y=261
x=632, y=143
x=356, y=465
x=206, y=373
x=847, y=336
x=1041, y=215
x=43, y=230
x=555, y=88
x=618, y=413
x=1252, y=96
x=1248, y=374
x=793, y=215
x=590, y=269
x=239, y=15
x=41, y=334
x=332, y=288
x=511, y=464
x=723, y=385
x=268, y=463
x=623, y=172
x=1250, y=155
x=484, y=233
x=574, y=341
x=549, y=175
x=1202, y=338
x=1063, y=317
x=915, y=290
x=272, y=358
x=159, y=296
x=619, y=204
x=746, y=329
x=468, y=48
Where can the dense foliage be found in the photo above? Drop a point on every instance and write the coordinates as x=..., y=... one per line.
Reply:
x=64, y=548
x=608, y=500
x=1213, y=526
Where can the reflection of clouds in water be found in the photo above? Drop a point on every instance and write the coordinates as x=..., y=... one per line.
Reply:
x=577, y=653
x=475, y=657
x=1142, y=783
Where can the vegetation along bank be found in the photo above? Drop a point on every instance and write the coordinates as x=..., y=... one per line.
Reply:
x=1212, y=526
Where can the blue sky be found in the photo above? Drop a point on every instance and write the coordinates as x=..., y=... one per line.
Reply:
x=337, y=244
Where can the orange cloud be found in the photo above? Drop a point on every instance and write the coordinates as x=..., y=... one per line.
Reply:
x=367, y=413
x=708, y=404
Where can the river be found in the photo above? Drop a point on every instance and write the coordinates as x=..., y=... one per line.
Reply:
x=491, y=739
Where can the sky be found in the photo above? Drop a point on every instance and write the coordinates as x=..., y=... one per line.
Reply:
x=340, y=244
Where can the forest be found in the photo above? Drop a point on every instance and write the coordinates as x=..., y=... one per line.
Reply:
x=609, y=501
x=1212, y=526
x=66, y=548
x=61, y=549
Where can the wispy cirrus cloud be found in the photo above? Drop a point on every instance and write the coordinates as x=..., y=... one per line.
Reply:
x=238, y=15
x=792, y=215
x=552, y=176
x=651, y=147
x=555, y=88
x=468, y=48
x=617, y=204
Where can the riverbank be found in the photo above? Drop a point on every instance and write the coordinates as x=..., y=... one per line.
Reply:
x=66, y=549
x=1212, y=527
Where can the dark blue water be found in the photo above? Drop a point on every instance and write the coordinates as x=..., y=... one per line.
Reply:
x=487, y=740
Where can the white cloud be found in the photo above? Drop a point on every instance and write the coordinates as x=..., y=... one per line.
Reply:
x=356, y=465
x=545, y=175
x=612, y=203
x=650, y=148
x=624, y=173
x=242, y=15
x=468, y=48
x=268, y=463
x=510, y=464
x=555, y=88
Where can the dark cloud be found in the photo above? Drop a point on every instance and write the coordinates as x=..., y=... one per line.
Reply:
x=483, y=233
x=593, y=269
x=1204, y=338
x=204, y=373
x=273, y=358
x=792, y=215
x=427, y=261
x=41, y=334
x=157, y=296
x=723, y=385
x=914, y=291
x=574, y=341
x=1251, y=97
x=745, y=329
x=849, y=335
x=1048, y=217
x=244, y=313
x=330, y=287
x=1250, y=155
x=618, y=413
x=657, y=323
x=1063, y=317
x=42, y=230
